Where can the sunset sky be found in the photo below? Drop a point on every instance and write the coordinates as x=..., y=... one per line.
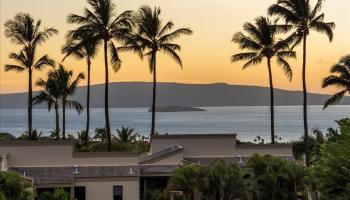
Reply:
x=205, y=54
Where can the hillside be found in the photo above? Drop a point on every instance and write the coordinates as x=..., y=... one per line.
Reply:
x=139, y=94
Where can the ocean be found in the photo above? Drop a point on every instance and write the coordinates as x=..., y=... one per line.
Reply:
x=247, y=122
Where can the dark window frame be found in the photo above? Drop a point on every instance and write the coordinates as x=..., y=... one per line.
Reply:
x=76, y=188
x=118, y=192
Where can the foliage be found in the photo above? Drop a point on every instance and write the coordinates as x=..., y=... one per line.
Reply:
x=331, y=174
x=14, y=187
x=264, y=177
x=35, y=135
x=340, y=78
x=228, y=182
x=191, y=180
x=58, y=194
x=100, y=134
x=7, y=136
x=315, y=143
x=126, y=135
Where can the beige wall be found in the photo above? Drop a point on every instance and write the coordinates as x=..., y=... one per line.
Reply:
x=276, y=150
x=55, y=155
x=102, y=189
x=197, y=147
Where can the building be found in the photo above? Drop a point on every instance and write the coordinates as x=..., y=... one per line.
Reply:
x=120, y=175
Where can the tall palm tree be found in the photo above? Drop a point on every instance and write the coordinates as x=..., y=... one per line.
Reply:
x=67, y=86
x=51, y=94
x=261, y=42
x=153, y=37
x=25, y=32
x=102, y=25
x=305, y=18
x=87, y=51
x=340, y=78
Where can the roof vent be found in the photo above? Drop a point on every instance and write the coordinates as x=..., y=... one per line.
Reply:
x=76, y=169
x=240, y=160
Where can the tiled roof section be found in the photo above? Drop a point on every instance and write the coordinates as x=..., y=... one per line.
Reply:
x=66, y=175
x=153, y=169
x=47, y=175
x=165, y=152
x=228, y=160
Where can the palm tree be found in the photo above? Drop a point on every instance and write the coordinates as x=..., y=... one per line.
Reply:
x=340, y=78
x=261, y=43
x=153, y=37
x=101, y=25
x=51, y=94
x=126, y=135
x=25, y=32
x=100, y=134
x=87, y=51
x=226, y=181
x=305, y=18
x=67, y=86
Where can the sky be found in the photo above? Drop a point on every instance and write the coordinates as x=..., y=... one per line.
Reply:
x=205, y=54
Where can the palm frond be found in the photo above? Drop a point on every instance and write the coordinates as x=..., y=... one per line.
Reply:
x=71, y=104
x=323, y=27
x=115, y=60
x=287, y=54
x=167, y=27
x=283, y=12
x=171, y=52
x=20, y=58
x=14, y=68
x=337, y=81
x=175, y=34
x=243, y=56
x=335, y=99
x=286, y=67
x=245, y=42
x=43, y=62
x=255, y=61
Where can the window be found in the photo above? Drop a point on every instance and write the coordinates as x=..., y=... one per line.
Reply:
x=118, y=193
x=79, y=193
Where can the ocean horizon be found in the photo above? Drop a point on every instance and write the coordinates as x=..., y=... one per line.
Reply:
x=247, y=122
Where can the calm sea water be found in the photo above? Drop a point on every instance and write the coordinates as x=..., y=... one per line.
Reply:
x=247, y=122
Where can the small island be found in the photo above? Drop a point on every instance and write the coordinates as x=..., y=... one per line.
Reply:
x=177, y=109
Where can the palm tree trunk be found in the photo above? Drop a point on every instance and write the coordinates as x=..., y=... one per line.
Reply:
x=108, y=128
x=57, y=123
x=30, y=97
x=88, y=104
x=272, y=102
x=154, y=67
x=64, y=119
x=306, y=134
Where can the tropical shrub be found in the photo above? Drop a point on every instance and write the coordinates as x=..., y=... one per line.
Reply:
x=14, y=187
x=331, y=174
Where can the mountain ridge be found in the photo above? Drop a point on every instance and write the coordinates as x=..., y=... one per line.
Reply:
x=139, y=94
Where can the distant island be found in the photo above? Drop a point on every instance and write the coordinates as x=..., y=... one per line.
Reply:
x=139, y=95
x=177, y=109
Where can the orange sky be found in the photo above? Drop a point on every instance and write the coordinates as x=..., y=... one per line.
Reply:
x=205, y=54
